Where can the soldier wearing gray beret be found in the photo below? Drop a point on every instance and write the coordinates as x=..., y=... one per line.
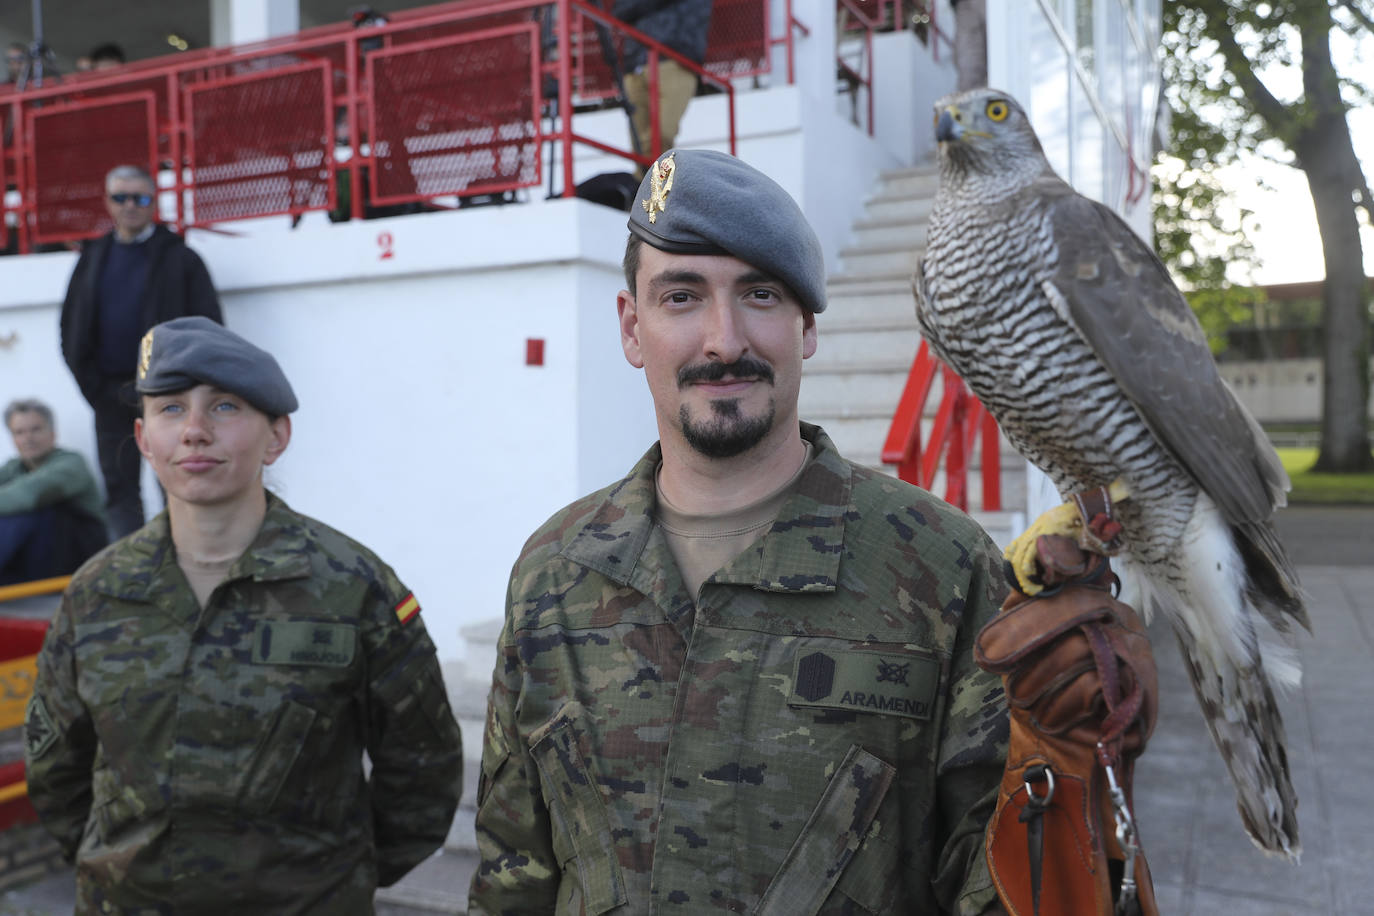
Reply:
x=213, y=684
x=745, y=634
x=186, y=352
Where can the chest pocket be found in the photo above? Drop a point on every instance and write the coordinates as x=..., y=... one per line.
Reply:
x=833, y=833
x=582, y=831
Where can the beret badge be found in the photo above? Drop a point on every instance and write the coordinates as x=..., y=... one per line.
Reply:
x=145, y=354
x=661, y=182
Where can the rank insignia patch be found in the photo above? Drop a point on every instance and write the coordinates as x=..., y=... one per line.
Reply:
x=408, y=608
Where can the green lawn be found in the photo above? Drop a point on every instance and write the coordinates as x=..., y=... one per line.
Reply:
x=1323, y=488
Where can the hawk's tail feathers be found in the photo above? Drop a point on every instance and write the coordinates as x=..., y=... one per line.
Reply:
x=1271, y=581
x=1239, y=708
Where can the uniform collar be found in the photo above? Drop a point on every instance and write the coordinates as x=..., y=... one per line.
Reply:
x=802, y=551
x=280, y=551
x=799, y=553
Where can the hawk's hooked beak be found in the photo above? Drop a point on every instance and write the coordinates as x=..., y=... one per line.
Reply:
x=946, y=127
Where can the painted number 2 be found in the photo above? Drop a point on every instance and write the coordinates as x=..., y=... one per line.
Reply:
x=384, y=241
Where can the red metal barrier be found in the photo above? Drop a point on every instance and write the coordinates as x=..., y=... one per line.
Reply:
x=20, y=641
x=255, y=130
x=261, y=144
x=455, y=115
x=959, y=421
x=737, y=42
x=5, y=113
x=68, y=151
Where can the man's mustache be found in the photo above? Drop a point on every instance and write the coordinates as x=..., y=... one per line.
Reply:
x=744, y=367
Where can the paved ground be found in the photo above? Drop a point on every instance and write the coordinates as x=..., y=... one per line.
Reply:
x=1203, y=864
x=1202, y=861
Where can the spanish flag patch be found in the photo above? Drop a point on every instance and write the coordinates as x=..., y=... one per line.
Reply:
x=408, y=608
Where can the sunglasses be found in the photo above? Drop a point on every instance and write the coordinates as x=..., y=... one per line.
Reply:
x=140, y=200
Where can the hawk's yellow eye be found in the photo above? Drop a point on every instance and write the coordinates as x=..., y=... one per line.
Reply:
x=997, y=111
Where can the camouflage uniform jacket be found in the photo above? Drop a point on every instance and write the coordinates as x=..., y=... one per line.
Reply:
x=210, y=761
x=813, y=738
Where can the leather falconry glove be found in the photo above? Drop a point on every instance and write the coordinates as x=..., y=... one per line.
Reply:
x=1081, y=685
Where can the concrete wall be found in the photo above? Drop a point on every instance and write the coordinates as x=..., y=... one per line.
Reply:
x=1280, y=391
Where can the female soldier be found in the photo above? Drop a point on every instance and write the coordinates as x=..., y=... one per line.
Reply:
x=210, y=683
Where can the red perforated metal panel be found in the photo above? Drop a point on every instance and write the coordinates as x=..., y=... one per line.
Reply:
x=455, y=116
x=73, y=147
x=595, y=47
x=157, y=86
x=737, y=44
x=465, y=26
x=261, y=144
x=7, y=232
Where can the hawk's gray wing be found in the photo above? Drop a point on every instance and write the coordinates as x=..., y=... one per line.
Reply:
x=1126, y=307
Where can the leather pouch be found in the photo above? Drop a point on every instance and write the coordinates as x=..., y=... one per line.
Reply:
x=1080, y=682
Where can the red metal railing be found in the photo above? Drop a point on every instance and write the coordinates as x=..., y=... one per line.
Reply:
x=959, y=421
x=857, y=74
x=447, y=100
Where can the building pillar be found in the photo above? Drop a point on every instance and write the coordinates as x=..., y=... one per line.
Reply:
x=236, y=22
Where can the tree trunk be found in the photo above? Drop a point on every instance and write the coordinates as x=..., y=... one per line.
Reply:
x=1345, y=331
x=971, y=43
x=1327, y=157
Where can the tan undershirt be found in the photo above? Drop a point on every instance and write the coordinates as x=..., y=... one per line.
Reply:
x=204, y=576
x=703, y=544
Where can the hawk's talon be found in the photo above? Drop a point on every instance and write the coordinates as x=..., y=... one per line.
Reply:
x=1066, y=519
x=1023, y=554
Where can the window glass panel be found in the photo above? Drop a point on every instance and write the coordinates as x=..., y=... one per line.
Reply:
x=1049, y=90
x=1149, y=13
x=1084, y=38
x=1089, y=145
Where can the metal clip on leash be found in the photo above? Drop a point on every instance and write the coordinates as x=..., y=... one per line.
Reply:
x=1033, y=817
x=1125, y=835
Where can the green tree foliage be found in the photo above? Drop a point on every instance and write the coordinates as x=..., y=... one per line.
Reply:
x=1205, y=245
x=1221, y=57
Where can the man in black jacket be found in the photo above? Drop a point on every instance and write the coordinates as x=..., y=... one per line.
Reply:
x=137, y=275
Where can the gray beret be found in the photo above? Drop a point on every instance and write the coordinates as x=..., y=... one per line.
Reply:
x=697, y=201
x=186, y=352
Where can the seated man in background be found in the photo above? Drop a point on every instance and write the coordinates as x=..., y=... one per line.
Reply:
x=51, y=518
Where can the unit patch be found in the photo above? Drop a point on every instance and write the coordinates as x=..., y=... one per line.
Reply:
x=39, y=731
x=863, y=680
x=303, y=643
